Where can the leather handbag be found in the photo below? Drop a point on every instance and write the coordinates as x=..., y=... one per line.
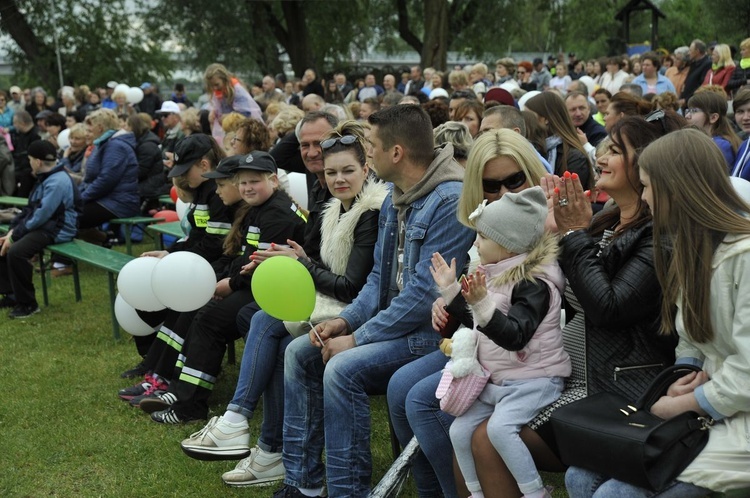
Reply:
x=607, y=434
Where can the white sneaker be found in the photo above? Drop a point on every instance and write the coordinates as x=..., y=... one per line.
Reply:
x=218, y=440
x=260, y=468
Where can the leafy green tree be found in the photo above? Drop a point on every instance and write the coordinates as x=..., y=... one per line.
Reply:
x=98, y=41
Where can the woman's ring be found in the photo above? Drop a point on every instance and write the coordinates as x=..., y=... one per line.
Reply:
x=563, y=202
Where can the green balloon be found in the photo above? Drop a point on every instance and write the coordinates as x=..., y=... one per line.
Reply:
x=284, y=289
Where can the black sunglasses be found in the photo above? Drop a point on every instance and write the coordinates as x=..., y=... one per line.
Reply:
x=345, y=140
x=511, y=183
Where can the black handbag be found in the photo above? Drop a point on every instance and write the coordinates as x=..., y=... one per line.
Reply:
x=605, y=433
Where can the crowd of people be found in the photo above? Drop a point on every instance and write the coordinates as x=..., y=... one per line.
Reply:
x=613, y=189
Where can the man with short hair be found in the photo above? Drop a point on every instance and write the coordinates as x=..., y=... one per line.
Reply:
x=541, y=75
x=312, y=102
x=580, y=112
x=389, y=83
x=342, y=84
x=700, y=63
x=416, y=82
x=510, y=118
x=311, y=83
x=270, y=93
x=328, y=381
x=371, y=90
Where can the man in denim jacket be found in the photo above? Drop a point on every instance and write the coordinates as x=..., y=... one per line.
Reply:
x=388, y=325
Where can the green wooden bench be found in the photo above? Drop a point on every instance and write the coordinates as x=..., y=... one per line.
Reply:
x=127, y=225
x=7, y=200
x=170, y=228
x=4, y=228
x=82, y=252
x=166, y=200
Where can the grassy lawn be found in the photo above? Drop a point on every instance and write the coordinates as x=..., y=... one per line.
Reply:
x=65, y=431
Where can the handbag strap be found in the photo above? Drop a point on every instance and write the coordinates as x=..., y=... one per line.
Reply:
x=661, y=383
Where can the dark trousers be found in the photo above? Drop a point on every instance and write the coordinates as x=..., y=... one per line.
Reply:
x=93, y=215
x=212, y=328
x=16, y=271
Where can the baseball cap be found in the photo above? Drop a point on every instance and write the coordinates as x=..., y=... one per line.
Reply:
x=499, y=95
x=42, y=149
x=169, y=107
x=111, y=84
x=145, y=85
x=15, y=89
x=258, y=161
x=189, y=150
x=226, y=168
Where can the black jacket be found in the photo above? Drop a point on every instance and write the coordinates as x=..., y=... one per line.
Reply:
x=694, y=79
x=151, y=174
x=621, y=298
x=740, y=78
x=594, y=131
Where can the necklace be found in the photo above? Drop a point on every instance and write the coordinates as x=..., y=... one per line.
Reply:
x=607, y=237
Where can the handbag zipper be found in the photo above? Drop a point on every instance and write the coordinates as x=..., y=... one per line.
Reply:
x=636, y=367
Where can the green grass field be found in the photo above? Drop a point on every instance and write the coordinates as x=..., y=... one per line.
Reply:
x=65, y=431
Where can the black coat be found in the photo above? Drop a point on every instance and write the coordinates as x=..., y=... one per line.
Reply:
x=621, y=298
x=151, y=175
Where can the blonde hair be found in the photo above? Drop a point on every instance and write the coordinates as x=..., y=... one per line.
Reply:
x=694, y=208
x=232, y=121
x=78, y=130
x=106, y=118
x=745, y=43
x=725, y=55
x=480, y=68
x=220, y=71
x=191, y=120
x=457, y=78
x=286, y=120
x=456, y=133
x=490, y=145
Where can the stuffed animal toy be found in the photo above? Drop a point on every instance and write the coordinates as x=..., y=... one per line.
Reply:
x=463, y=352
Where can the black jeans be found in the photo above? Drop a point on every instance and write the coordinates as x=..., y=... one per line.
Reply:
x=16, y=271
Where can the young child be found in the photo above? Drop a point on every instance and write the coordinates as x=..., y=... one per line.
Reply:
x=514, y=299
x=49, y=218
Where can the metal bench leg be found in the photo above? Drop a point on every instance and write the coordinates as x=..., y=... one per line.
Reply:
x=43, y=272
x=115, y=325
x=76, y=281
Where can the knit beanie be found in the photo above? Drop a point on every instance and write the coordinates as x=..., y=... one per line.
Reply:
x=515, y=221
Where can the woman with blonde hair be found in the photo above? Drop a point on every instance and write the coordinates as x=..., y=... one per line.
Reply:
x=228, y=95
x=708, y=112
x=458, y=80
x=500, y=161
x=722, y=67
x=702, y=272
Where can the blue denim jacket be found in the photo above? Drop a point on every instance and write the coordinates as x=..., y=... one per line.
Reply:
x=431, y=226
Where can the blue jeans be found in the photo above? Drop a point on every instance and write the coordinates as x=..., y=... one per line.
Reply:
x=582, y=483
x=415, y=411
x=262, y=373
x=328, y=405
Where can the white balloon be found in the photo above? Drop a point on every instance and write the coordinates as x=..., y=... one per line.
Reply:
x=183, y=281
x=122, y=87
x=134, y=95
x=134, y=284
x=181, y=207
x=129, y=320
x=63, y=140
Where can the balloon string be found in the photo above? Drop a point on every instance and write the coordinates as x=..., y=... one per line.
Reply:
x=312, y=327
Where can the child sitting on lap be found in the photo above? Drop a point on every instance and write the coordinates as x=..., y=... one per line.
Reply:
x=515, y=299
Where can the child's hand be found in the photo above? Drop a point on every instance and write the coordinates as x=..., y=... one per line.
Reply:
x=477, y=288
x=443, y=274
x=222, y=289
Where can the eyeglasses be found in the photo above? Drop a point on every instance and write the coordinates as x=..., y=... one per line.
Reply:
x=511, y=183
x=692, y=110
x=345, y=140
x=234, y=140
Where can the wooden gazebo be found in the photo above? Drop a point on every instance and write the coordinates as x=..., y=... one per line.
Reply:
x=637, y=5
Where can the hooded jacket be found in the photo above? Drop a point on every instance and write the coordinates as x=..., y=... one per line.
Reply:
x=151, y=177
x=112, y=175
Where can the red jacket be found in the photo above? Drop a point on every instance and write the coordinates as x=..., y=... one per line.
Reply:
x=720, y=77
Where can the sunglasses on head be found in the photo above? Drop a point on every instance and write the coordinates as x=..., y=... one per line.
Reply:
x=345, y=140
x=511, y=183
x=657, y=116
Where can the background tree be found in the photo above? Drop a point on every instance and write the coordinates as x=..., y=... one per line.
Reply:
x=99, y=41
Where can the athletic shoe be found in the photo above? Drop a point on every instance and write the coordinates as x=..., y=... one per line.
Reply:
x=8, y=302
x=260, y=468
x=156, y=403
x=169, y=416
x=131, y=392
x=158, y=387
x=62, y=271
x=218, y=440
x=21, y=311
x=137, y=371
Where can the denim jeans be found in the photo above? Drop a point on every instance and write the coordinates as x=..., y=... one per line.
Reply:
x=328, y=405
x=262, y=373
x=582, y=483
x=415, y=411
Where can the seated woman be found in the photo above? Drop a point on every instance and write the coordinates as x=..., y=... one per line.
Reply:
x=500, y=161
x=707, y=111
x=710, y=248
x=349, y=230
x=609, y=264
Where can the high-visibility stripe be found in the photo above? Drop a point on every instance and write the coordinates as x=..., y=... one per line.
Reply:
x=296, y=210
x=197, y=382
x=198, y=374
x=170, y=338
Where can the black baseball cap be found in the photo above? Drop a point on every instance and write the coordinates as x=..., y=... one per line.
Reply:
x=227, y=167
x=189, y=150
x=538, y=61
x=258, y=161
x=42, y=149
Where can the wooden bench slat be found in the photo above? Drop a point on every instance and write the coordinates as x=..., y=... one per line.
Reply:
x=98, y=256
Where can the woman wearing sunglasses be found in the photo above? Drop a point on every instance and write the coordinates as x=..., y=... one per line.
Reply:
x=500, y=161
x=608, y=261
x=349, y=229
